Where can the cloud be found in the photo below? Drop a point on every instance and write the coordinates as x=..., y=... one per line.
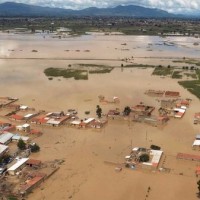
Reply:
x=169, y=5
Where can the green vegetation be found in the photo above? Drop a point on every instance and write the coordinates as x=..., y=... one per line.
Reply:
x=127, y=111
x=12, y=198
x=198, y=186
x=34, y=148
x=77, y=74
x=192, y=86
x=194, y=76
x=138, y=65
x=99, y=111
x=162, y=71
x=188, y=61
x=93, y=65
x=101, y=71
x=177, y=75
x=144, y=158
x=21, y=144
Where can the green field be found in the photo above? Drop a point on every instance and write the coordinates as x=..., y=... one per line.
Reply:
x=77, y=74
x=162, y=71
x=192, y=86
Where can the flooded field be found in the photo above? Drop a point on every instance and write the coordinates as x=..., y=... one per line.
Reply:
x=84, y=174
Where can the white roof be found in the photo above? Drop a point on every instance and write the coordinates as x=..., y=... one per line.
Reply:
x=18, y=137
x=196, y=143
x=88, y=120
x=179, y=110
x=18, y=164
x=3, y=148
x=135, y=148
x=23, y=107
x=52, y=121
x=183, y=107
x=75, y=122
x=28, y=115
x=156, y=156
x=25, y=125
x=5, y=137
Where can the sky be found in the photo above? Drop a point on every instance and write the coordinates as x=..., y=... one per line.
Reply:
x=174, y=6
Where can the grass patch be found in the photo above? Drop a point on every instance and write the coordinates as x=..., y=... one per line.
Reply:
x=192, y=86
x=188, y=61
x=162, y=71
x=101, y=71
x=177, y=75
x=12, y=198
x=138, y=65
x=77, y=74
x=93, y=65
x=194, y=76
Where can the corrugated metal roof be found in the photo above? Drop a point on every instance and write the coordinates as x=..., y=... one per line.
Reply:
x=5, y=137
x=18, y=164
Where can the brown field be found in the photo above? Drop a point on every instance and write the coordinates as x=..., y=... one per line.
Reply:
x=84, y=175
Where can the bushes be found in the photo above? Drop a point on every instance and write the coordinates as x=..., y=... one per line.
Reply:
x=144, y=158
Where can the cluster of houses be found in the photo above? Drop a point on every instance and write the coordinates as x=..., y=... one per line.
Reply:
x=27, y=115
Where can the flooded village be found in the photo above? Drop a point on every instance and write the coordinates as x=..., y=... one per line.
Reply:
x=100, y=118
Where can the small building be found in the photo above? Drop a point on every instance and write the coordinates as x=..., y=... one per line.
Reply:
x=23, y=107
x=190, y=157
x=25, y=127
x=155, y=156
x=197, y=137
x=196, y=144
x=29, y=116
x=34, y=163
x=197, y=118
x=179, y=112
x=16, y=117
x=35, y=132
x=3, y=150
x=19, y=165
x=17, y=137
x=98, y=124
x=6, y=138
x=197, y=171
x=172, y=94
x=75, y=123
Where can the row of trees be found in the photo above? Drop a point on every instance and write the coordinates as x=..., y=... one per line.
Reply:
x=33, y=147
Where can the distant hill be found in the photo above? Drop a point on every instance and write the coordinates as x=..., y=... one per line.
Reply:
x=11, y=9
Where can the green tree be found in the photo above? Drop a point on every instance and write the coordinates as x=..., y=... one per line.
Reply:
x=35, y=148
x=127, y=110
x=99, y=111
x=21, y=144
x=198, y=184
x=144, y=158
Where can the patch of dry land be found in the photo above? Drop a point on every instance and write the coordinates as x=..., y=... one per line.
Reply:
x=84, y=175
